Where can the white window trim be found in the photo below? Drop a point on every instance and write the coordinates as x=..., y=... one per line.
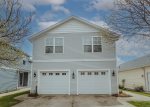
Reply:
x=92, y=44
x=54, y=38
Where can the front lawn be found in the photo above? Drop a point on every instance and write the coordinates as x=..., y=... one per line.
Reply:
x=140, y=103
x=8, y=101
x=141, y=93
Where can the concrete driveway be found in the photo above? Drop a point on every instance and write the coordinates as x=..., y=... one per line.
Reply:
x=71, y=101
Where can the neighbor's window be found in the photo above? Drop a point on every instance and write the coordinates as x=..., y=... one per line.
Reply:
x=24, y=62
x=92, y=44
x=54, y=45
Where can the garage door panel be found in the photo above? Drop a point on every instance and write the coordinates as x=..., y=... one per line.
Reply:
x=54, y=84
x=95, y=83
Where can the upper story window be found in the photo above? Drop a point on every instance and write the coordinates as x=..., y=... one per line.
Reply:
x=92, y=44
x=54, y=45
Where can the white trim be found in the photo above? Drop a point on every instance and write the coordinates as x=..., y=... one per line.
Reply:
x=69, y=81
x=54, y=40
x=68, y=70
x=77, y=83
x=91, y=37
x=73, y=60
x=110, y=91
x=109, y=74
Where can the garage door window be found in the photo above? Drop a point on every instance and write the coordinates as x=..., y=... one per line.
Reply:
x=95, y=73
x=103, y=73
x=57, y=73
x=43, y=74
x=50, y=73
x=89, y=73
x=82, y=73
x=63, y=73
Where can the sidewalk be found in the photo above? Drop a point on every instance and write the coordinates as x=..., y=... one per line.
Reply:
x=135, y=97
x=14, y=92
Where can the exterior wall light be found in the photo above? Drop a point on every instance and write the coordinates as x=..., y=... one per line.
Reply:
x=34, y=74
x=113, y=73
x=73, y=75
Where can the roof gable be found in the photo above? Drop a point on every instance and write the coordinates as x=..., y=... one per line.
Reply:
x=59, y=27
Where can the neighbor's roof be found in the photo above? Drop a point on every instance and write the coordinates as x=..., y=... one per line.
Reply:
x=68, y=19
x=137, y=63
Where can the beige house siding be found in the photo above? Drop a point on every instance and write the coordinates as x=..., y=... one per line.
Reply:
x=133, y=78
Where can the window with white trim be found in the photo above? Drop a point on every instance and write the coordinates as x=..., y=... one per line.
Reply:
x=87, y=44
x=92, y=44
x=54, y=45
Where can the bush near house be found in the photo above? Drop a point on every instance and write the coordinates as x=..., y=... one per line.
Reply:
x=8, y=101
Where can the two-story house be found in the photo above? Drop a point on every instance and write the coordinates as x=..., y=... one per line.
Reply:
x=16, y=76
x=74, y=57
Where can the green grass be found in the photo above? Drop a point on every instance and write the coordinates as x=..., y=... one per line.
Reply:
x=141, y=93
x=8, y=101
x=140, y=103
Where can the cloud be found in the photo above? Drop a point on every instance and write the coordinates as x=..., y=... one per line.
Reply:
x=30, y=5
x=57, y=8
x=44, y=25
x=101, y=5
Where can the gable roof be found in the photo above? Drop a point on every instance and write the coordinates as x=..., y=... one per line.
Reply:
x=137, y=63
x=71, y=18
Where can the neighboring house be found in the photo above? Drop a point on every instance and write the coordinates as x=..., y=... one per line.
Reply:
x=135, y=73
x=74, y=57
x=12, y=78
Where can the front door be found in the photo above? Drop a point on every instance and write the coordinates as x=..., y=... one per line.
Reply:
x=23, y=79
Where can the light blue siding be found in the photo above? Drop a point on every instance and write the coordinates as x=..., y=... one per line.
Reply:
x=8, y=80
x=74, y=57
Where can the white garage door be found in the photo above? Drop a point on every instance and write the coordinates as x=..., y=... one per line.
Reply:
x=93, y=82
x=56, y=82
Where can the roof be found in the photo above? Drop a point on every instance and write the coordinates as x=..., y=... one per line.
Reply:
x=68, y=19
x=137, y=63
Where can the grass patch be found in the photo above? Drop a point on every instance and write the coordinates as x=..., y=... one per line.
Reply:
x=8, y=101
x=141, y=93
x=140, y=103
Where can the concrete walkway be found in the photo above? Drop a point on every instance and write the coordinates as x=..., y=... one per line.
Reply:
x=14, y=92
x=135, y=97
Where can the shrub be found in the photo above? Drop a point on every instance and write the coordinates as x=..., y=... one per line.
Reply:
x=139, y=89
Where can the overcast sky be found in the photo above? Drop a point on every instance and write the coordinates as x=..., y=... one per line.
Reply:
x=49, y=12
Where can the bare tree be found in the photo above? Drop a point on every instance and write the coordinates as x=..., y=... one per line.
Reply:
x=14, y=26
x=131, y=17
